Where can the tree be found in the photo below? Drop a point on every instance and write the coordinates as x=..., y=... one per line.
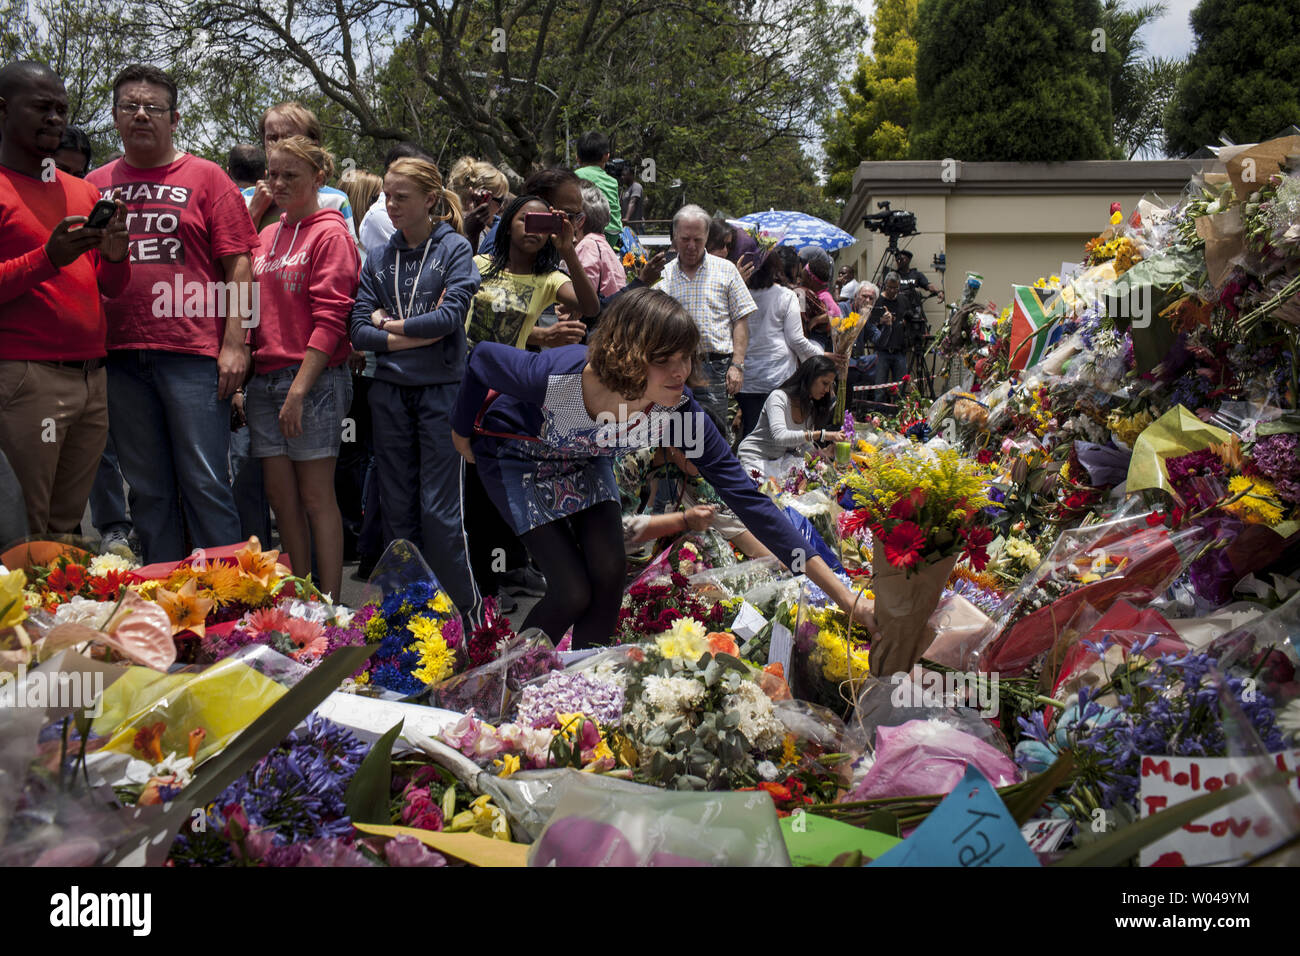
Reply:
x=500, y=77
x=879, y=100
x=1140, y=89
x=1012, y=80
x=1240, y=80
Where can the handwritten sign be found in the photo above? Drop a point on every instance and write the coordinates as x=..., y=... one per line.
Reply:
x=1243, y=828
x=1044, y=836
x=970, y=828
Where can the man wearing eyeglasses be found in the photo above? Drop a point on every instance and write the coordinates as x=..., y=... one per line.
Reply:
x=176, y=337
x=53, y=269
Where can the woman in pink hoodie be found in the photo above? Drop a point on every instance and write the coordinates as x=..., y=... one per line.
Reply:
x=307, y=272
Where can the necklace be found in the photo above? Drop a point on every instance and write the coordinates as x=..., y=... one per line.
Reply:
x=397, y=272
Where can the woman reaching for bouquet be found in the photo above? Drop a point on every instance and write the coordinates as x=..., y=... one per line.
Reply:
x=794, y=417
x=544, y=449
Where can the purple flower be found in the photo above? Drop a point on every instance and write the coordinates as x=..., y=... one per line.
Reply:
x=570, y=693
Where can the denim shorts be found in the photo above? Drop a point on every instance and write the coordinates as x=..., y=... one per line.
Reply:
x=322, y=414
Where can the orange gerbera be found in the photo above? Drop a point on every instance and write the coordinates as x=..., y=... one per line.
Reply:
x=262, y=566
x=187, y=610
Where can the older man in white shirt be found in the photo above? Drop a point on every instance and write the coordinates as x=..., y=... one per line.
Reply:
x=713, y=292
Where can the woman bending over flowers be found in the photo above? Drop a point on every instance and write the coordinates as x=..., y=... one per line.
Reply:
x=544, y=450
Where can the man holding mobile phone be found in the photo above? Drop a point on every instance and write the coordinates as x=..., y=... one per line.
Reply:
x=54, y=267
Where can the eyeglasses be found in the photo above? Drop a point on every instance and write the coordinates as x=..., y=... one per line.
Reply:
x=153, y=112
x=574, y=217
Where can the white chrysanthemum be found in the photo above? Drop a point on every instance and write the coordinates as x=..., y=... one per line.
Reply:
x=667, y=697
x=104, y=563
x=767, y=770
x=610, y=671
x=1107, y=343
x=1288, y=719
x=758, y=721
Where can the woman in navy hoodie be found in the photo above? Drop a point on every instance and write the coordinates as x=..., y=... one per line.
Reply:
x=410, y=311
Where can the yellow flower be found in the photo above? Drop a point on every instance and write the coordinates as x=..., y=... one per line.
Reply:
x=481, y=817
x=441, y=603
x=13, y=608
x=836, y=659
x=789, y=753
x=684, y=640
x=508, y=764
x=222, y=581
x=437, y=660
x=1259, y=504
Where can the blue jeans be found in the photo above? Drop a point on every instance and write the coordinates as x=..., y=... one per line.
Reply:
x=107, y=498
x=172, y=435
x=421, y=481
x=248, y=488
x=714, y=396
x=890, y=367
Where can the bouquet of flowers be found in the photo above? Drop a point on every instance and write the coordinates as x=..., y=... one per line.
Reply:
x=924, y=512
x=844, y=332
x=305, y=631
x=419, y=636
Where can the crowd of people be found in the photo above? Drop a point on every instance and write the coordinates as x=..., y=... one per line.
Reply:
x=452, y=361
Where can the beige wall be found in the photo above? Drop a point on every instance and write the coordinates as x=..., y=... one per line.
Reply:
x=1006, y=239
x=1010, y=222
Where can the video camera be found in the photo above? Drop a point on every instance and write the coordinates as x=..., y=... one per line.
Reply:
x=911, y=312
x=615, y=167
x=894, y=223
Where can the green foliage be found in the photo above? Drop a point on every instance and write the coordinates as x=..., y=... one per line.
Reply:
x=1240, y=80
x=1140, y=89
x=1011, y=80
x=879, y=101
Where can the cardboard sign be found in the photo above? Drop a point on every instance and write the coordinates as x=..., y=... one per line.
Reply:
x=813, y=840
x=782, y=646
x=749, y=621
x=1242, y=829
x=1044, y=836
x=971, y=827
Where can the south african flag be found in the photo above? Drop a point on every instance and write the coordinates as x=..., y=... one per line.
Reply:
x=1032, y=332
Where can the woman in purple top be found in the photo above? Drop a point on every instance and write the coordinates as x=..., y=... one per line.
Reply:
x=545, y=443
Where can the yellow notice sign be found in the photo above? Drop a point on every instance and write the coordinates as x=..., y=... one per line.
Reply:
x=473, y=848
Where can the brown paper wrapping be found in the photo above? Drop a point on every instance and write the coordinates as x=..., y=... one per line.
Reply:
x=904, y=603
x=1225, y=242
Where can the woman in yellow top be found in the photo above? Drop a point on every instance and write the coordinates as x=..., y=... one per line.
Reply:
x=522, y=277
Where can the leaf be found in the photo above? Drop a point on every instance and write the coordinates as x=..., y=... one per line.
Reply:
x=367, y=796
x=1023, y=804
x=882, y=821
x=1117, y=848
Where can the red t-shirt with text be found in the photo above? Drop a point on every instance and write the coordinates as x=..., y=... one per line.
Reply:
x=182, y=219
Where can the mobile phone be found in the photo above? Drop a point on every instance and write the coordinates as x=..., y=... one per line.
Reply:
x=670, y=255
x=102, y=214
x=543, y=223
x=482, y=197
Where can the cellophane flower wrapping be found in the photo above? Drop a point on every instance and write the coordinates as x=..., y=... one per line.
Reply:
x=492, y=690
x=1124, y=556
x=928, y=756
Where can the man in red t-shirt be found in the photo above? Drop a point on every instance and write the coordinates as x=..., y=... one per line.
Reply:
x=53, y=393
x=176, y=337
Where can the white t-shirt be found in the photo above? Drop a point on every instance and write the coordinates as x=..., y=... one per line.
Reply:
x=376, y=227
x=777, y=345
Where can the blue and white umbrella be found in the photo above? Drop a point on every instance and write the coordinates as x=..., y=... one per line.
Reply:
x=800, y=229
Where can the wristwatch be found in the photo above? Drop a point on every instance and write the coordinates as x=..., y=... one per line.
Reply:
x=738, y=365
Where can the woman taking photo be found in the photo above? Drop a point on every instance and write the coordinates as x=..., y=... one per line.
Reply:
x=794, y=416
x=306, y=270
x=410, y=311
x=522, y=277
x=544, y=449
